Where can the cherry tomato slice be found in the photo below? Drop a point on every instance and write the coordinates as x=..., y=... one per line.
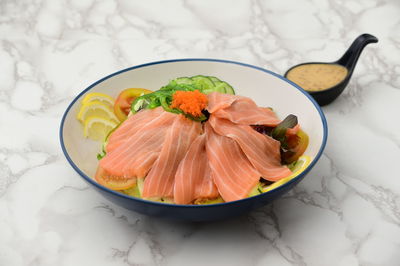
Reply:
x=113, y=182
x=297, y=145
x=124, y=100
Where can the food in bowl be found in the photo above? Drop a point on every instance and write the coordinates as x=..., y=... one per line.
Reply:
x=195, y=142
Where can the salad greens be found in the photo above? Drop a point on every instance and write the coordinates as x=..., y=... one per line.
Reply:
x=164, y=96
x=279, y=132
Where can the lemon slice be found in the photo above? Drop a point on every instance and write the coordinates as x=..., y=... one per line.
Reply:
x=96, y=109
x=98, y=96
x=97, y=128
x=298, y=168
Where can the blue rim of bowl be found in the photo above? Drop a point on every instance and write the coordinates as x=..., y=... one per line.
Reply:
x=276, y=190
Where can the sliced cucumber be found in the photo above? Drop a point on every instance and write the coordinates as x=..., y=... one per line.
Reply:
x=183, y=80
x=133, y=191
x=256, y=190
x=209, y=201
x=137, y=105
x=163, y=200
x=201, y=77
x=203, y=82
x=228, y=88
x=140, y=185
x=215, y=80
x=208, y=91
x=137, y=192
x=206, y=84
x=166, y=200
x=220, y=88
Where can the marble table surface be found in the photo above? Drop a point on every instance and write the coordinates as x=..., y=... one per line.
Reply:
x=346, y=211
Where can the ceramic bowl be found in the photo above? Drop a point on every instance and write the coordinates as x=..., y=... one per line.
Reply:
x=263, y=86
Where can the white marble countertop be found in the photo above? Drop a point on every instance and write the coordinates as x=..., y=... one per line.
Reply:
x=346, y=211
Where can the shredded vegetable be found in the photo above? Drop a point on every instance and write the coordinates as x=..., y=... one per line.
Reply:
x=164, y=98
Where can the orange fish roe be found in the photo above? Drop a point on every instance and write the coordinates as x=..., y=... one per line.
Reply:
x=191, y=102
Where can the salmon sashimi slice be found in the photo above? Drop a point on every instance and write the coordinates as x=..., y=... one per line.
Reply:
x=262, y=151
x=160, y=180
x=217, y=101
x=232, y=172
x=135, y=156
x=131, y=126
x=147, y=151
x=246, y=112
x=240, y=110
x=207, y=188
x=193, y=177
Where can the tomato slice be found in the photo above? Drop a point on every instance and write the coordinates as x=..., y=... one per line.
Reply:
x=297, y=143
x=122, y=105
x=113, y=182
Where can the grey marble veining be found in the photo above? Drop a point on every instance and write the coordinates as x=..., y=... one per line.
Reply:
x=347, y=210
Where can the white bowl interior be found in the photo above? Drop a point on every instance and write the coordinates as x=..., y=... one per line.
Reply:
x=266, y=89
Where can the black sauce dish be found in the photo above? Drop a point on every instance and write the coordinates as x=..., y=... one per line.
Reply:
x=349, y=61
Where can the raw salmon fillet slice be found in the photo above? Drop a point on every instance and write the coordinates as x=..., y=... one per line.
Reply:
x=193, y=178
x=136, y=155
x=262, y=151
x=240, y=110
x=217, y=101
x=130, y=126
x=160, y=180
x=207, y=188
x=231, y=171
